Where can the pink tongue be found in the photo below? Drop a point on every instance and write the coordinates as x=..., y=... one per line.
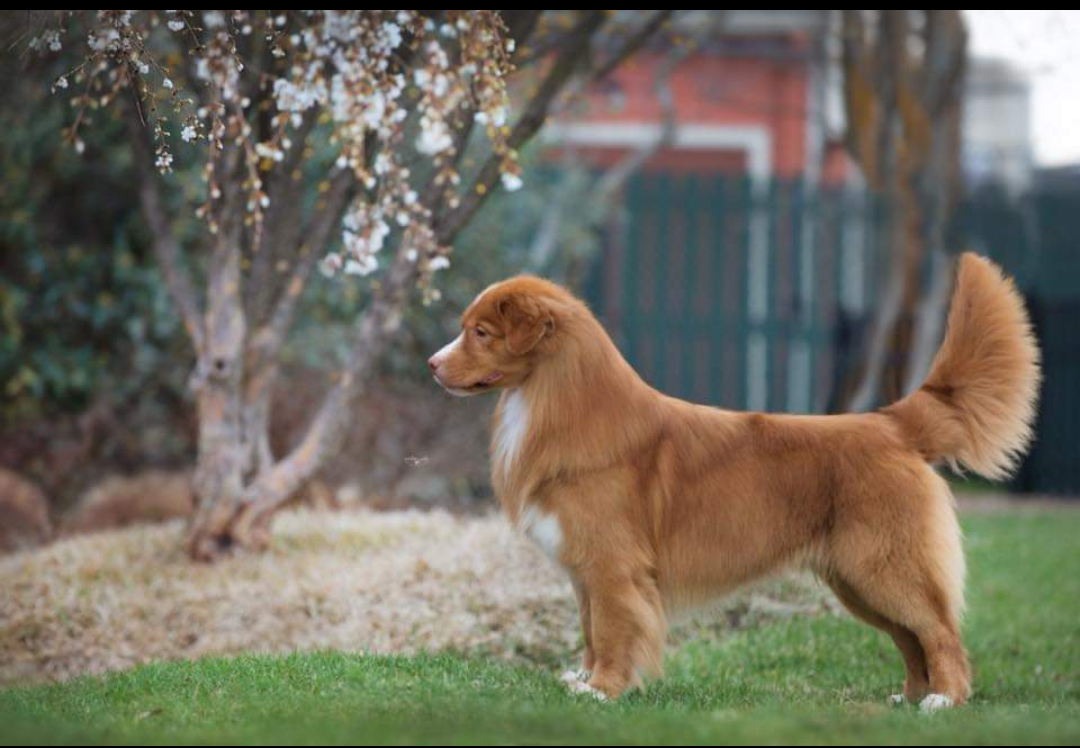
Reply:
x=494, y=376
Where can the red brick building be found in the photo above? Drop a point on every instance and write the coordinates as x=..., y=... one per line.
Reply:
x=756, y=98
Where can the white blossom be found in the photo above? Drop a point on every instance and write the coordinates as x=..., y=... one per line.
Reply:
x=392, y=34
x=330, y=264
x=511, y=182
x=343, y=69
x=293, y=97
x=364, y=266
x=213, y=19
x=434, y=137
x=46, y=40
x=270, y=151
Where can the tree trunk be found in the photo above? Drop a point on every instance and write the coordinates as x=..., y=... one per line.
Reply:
x=904, y=130
x=223, y=456
x=218, y=470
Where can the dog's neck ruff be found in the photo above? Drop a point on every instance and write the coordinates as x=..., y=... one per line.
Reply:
x=511, y=430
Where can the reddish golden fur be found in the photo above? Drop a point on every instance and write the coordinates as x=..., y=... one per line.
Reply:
x=659, y=504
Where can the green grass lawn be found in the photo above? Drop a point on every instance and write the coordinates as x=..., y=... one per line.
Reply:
x=805, y=680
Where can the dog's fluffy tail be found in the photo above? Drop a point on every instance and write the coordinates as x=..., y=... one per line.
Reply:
x=976, y=407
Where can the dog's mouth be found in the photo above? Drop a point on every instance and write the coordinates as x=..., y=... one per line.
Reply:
x=475, y=388
x=488, y=380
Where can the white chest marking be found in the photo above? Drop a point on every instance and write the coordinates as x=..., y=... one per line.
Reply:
x=510, y=433
x=542, y=528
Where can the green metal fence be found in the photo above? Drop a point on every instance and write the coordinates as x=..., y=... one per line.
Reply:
x=1037, y=239
x=757, y=296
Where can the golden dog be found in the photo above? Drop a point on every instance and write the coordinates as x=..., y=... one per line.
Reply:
x=652, y=504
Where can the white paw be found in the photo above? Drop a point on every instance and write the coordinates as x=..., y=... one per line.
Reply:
x=897, y=699
x=580, y=675
x=574, y=685
x=934, y=702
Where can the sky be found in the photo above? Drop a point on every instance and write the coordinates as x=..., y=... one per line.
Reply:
x=1045, y=44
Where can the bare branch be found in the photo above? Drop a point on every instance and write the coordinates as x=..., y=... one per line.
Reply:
x=283, y=229
x=373, y=331
x=163, y=243
x=319, y=228
x=536, y=112
x=630, y=45
x=613, y=180
x=520, y=24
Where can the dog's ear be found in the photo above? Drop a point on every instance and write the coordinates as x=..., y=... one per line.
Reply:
x=526, y=320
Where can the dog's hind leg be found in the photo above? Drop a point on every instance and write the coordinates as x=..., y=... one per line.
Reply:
x=628, y=630
x=905, y=563
x=917, y=679
x=913, y=610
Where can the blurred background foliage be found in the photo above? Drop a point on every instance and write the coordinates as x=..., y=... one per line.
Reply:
x=81, y=309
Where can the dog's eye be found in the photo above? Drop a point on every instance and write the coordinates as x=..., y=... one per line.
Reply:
x=481, y=332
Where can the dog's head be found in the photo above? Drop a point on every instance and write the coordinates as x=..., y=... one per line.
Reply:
x=504, y=333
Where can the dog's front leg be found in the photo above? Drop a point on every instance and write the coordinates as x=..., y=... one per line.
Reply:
x=588, y=658
x=578, y=680
x=628, y=629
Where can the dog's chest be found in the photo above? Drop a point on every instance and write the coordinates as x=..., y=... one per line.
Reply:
x=541, y=527
x=537, y=524
x=510, y=432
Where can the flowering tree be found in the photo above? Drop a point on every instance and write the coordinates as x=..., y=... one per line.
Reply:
x=399, y=96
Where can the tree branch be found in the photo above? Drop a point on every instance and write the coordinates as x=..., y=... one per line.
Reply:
x=630, y=45
x=607, y=187
x=536, y=112
x=283, y=227
x=613, y=180
x=372, y=333
x=520, y=24
x=163, y=243
x=317, y=233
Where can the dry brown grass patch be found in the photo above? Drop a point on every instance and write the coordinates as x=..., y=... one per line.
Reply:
x=353, y=581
